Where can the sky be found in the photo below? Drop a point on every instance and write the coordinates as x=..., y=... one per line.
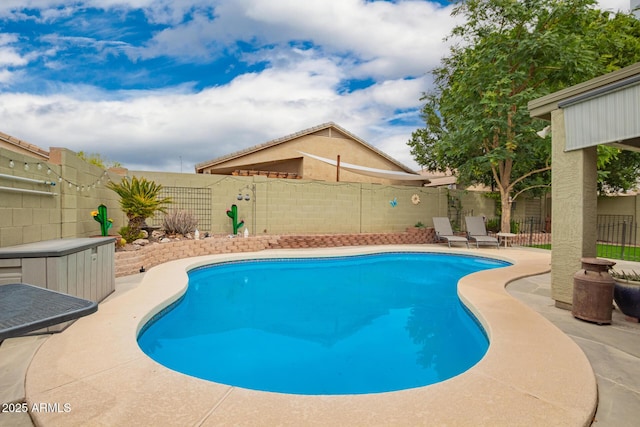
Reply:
x=165, y=84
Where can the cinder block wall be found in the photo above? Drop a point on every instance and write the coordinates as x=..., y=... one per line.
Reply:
x=26, y=218
x=284, y=206
x=277, y=206
x=82, y=190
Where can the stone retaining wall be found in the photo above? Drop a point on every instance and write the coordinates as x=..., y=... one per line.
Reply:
x=130, y=262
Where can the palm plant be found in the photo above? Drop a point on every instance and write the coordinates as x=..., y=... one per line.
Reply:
x=139, y=201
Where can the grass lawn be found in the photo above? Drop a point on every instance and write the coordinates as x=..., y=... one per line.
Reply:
x=631, y=253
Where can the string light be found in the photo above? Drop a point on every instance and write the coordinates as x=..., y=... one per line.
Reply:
x=28, y=166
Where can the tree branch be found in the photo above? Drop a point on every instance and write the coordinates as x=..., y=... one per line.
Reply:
x=529, y=188
x=528, y=174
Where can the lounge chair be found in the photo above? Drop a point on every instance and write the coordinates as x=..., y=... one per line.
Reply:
x=444, y=231
x=477, y=231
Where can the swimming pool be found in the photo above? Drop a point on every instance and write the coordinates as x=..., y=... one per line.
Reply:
x=346, y=325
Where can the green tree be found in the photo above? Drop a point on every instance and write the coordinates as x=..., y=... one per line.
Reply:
x=97, y=160
x=508, y=52
x=139, y=201
x=618, y=170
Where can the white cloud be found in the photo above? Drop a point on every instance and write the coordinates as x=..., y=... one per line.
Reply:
x=386, y=39
x=9, y=57
x=6, y=76
x=408, y=35
x=152, y=130
x=299, y=88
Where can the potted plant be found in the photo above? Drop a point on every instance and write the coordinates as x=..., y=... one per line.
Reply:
x=626, y=293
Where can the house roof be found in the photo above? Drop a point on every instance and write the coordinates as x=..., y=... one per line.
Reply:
x=33, y=149
x=296, y=135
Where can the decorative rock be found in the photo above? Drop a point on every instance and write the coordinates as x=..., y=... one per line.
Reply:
x=144, y=234
x=157, y=234
x=140, y=242
x=165, y=240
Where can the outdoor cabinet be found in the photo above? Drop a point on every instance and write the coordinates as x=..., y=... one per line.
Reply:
x=82, y=267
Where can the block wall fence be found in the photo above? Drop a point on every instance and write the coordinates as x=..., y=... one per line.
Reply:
x=281, y=206
x=276, y=206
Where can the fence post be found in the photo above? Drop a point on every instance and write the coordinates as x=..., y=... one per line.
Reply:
x=624, y=238
x=531, y=231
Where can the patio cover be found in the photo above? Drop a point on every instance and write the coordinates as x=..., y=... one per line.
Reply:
x=364, y=170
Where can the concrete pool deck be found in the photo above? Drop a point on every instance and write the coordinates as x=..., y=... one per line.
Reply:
x=533, y=374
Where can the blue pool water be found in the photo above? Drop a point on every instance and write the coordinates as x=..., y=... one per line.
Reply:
x=348, y=325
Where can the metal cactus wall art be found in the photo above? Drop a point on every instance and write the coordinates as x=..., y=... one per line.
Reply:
x=233, y=214
x=101, y=216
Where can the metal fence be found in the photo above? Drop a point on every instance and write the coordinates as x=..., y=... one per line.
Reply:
x=456, y=218
x=531, y=231
x=616, y=235
x=196, y=201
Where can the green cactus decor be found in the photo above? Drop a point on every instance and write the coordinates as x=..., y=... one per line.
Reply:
x=233, y=214
x=101, y=216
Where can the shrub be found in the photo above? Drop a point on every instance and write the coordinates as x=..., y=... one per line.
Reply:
x=130, y=234
x=179, y=222
x=139, y=200
x=493, y=225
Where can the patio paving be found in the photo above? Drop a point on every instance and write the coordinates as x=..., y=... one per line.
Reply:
x=613, y=350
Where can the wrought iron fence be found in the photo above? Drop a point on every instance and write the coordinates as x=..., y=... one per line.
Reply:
x=457, y=219
x=530, y=231
x=617, y=237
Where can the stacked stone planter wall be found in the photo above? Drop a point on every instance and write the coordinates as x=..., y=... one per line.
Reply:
x=130, y=262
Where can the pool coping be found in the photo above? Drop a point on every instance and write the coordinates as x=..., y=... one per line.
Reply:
x=97, y=368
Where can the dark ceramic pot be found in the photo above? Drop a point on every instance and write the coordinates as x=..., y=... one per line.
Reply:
x=627, y=297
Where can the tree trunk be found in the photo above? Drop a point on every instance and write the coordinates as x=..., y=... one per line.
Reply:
x=505, y=223
x=136, y=224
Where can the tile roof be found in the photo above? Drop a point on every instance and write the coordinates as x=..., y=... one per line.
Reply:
x=24, y=145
